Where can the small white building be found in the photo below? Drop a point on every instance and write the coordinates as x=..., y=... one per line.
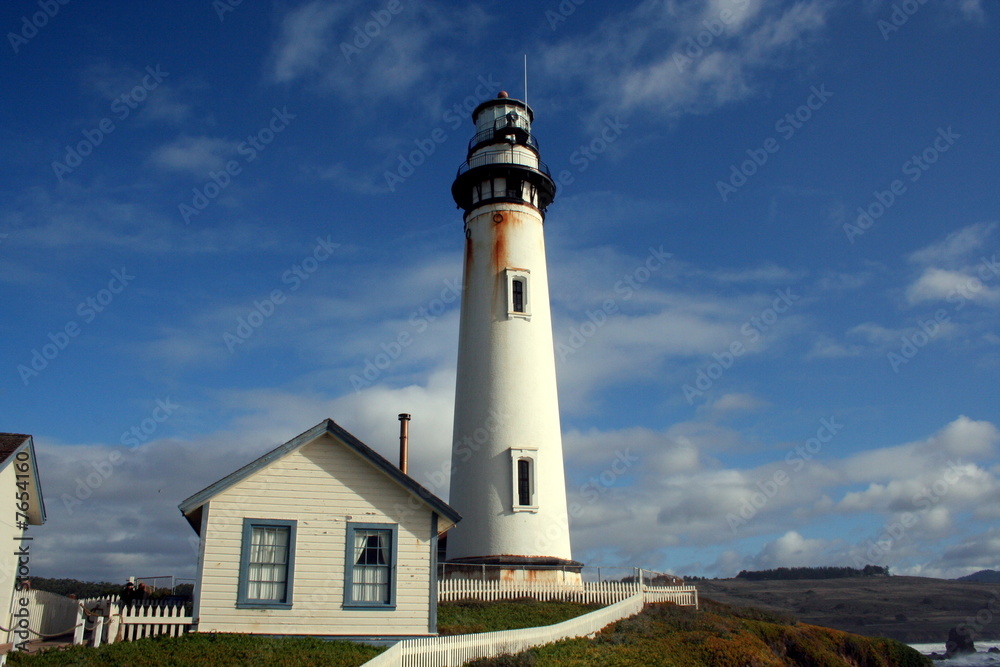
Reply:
x=321, y=536
x=24, y=507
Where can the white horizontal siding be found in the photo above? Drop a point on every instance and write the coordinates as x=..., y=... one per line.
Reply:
x=322, y=486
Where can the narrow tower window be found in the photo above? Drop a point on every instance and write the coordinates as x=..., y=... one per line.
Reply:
x=523, y=490
x=523, y=482
x=518, y=298
x=518, y=295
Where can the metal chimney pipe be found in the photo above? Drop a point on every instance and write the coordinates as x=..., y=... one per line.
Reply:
x=404, y=442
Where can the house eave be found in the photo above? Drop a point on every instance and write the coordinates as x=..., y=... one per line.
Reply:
x=191, y=507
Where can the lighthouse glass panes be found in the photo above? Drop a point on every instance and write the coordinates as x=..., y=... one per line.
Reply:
x=518, y=285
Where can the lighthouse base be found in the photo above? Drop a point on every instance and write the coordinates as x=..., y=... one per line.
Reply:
x=520, y=569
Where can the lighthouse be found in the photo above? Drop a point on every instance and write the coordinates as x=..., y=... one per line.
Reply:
x=507, y=477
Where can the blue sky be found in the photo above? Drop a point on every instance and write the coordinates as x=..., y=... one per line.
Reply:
x=218, y=221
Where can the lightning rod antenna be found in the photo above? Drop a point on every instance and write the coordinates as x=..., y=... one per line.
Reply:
x=525, y=79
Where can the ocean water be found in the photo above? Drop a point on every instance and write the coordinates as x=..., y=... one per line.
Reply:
x=981, y=657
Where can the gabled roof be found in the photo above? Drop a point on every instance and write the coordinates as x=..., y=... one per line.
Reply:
x=191, y=508
x=10, y=445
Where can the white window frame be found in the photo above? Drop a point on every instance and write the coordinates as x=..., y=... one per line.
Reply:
x=523, y=275
x=529, y=454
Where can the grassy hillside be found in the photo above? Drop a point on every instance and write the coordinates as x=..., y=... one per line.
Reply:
x=718, y=636
x=662, y=636
x=217, y=650
x=910, y=609
x=469, y=616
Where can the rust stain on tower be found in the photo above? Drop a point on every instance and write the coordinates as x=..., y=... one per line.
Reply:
x=500, y=245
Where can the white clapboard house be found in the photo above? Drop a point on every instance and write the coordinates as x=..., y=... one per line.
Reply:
x=23, y=507
x=321, y=536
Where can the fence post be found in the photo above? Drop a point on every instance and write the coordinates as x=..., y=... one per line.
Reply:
x=81, y=623
x=114, y=622
x=98, y=631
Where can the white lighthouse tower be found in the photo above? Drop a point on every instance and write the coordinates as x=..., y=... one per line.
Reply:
x=507, y=477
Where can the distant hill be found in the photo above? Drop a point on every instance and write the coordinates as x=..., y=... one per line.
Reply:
x=983, y=577
x=791, y=573
x=910, y=609
x=81, y=589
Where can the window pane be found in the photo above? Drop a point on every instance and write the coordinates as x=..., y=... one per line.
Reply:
x=518, y=296
x=523, y=482
x=372, y=560
x=267, y=571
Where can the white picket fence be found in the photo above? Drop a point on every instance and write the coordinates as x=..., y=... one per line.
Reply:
x=51, y=615
x=150, y=620
x=590, y=592
x=456, y=650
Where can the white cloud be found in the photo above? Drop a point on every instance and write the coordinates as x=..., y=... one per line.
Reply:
x=304, y=40
x=825, y=347
x=797, y=23
x=195, y=155
x=970, y=10
x=957, y=247
x=650, y=58
x=728, y=404
x=332, y=47
x=769, y=273
x=793, y=550
x=734, y=14
x=348, y=179
x=957, y=269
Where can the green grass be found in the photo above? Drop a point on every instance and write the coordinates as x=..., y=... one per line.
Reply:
x=665, y=635
x=468, y=616
x=217, y=650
